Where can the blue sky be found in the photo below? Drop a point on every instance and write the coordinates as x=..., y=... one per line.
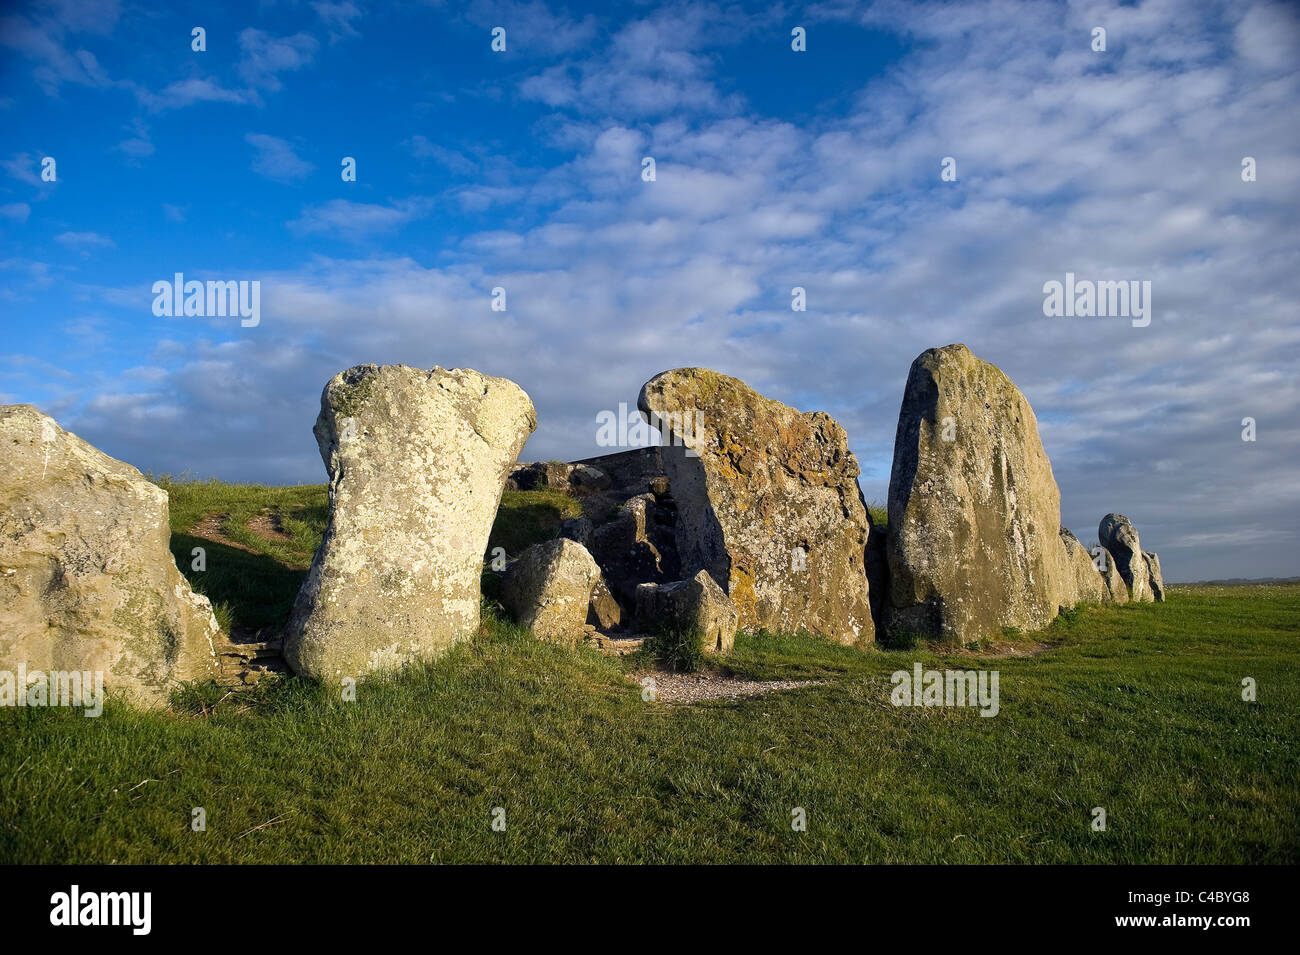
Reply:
x=775, y=169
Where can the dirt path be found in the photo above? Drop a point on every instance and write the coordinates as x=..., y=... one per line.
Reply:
x=209, y=528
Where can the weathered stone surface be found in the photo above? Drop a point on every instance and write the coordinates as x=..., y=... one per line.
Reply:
x=585, y=479
x=539, y=475
x=87, y=582
x=1116, y=589
x=604, y=611
x=1155, y=577
x=695, y=604
x=548, y=589
x=767, y=502
x=1118, y=535
x=636, y=546
x=630, y=472
x=417, y=461
x=974, y=511
x=577, y=529
x=1084, y=584
x=557, y=476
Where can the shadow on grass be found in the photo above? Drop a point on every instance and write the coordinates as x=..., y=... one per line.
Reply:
x=251, y=592
x=530, y=517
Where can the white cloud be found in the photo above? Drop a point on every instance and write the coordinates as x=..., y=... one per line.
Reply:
x=276, y=159
x=85, y=240
x=187, y=92
x=15, y=211
x=265, y=57
x=354, y=221
x=25, y=167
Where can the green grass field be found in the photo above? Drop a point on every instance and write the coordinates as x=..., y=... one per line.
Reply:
x=1136, y=709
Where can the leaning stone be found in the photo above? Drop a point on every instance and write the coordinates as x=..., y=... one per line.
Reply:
x=417, y=462
x=767, y=502
x=697, y=604
x=974, y=511
x=1155, y=577
x=603, y=610
x=87, y=580
x=548, y=589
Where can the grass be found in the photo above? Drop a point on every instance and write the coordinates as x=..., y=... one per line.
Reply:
x=252, y=581
x=528, y=517
x=679, y=649
x=1136, y=709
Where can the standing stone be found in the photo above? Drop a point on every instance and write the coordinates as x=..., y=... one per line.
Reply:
x=1084, y=583
x=1118, y=535
x=417, y=461
x=1154, y=575
x=697, y=604
x=767, y=502
x=1116, y=589
x=974, y=511
x=548, y=589
x=87, y=582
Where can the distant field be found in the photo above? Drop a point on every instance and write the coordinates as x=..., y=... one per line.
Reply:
x=1136, y=709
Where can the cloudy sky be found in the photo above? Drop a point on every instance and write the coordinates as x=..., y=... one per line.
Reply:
x=774, y=168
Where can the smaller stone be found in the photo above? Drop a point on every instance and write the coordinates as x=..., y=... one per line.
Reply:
x=548, y=589
x=659, y=486
x=1156, y=578
x=588, y=480
x=603, y=611
x=577, y=529
x=696, y=604
x=1116, y=589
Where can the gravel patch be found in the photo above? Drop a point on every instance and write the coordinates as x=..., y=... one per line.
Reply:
x=688, y=688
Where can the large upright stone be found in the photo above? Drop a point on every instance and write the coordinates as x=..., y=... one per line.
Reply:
x=87, y=582
x=417, y=461
x=974, y=511
x=767, y=502
x=1120, y=538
